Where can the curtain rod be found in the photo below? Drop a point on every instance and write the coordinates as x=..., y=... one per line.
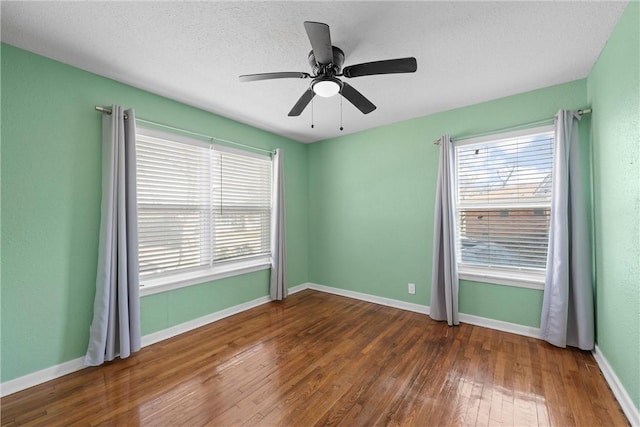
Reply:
x=107, y=110
x=580, y=112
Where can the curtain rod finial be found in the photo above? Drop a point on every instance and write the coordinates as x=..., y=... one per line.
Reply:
x=105, y=110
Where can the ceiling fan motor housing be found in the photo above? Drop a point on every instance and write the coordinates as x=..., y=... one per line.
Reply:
x=328, y=69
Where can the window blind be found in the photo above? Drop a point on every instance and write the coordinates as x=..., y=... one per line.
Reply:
x=199, y=204
x=241, y=205
x=504, y=200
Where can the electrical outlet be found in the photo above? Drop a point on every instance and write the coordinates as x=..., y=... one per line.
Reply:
x=412, y=288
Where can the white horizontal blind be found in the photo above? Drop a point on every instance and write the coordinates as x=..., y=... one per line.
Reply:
x=504, y=200
x=241, y=205
x=198, y=205
x=174, y=216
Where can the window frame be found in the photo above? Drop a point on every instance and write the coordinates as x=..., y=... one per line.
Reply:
x=522, y=277
x=219, y=270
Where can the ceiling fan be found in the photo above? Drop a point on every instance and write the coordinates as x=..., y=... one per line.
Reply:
x=326, y=63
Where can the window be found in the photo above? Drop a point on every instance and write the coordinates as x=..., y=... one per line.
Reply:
x=503, y=201
x=204, y=210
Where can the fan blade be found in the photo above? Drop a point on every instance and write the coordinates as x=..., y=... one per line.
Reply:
x=302, y=103
x=269, y=76
x=357, y=99
x=320, y=39
x=400, y=65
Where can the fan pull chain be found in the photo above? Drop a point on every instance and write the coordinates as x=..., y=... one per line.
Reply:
x=311, y=113
x=341, y=112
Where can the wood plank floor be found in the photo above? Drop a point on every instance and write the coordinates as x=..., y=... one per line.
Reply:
x=321, y=359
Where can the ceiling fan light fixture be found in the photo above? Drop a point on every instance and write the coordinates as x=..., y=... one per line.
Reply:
x=326, y=87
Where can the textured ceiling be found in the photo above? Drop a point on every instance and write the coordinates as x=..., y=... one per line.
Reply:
x=467, y=52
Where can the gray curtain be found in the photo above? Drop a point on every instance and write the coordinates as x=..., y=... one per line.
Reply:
x=115, y=330
x=444, y=276
x=278, y=285
x=567, y=308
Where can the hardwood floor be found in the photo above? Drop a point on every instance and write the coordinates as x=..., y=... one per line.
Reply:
x=319, y=359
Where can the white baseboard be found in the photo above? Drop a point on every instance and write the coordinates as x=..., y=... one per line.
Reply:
x=201, y=321
x=210, y=318
x=629, y=409
x=298, y=288
x=41, y=376
x=499, y=325
x=513, y=328
x=403, y=305
x=65, y=368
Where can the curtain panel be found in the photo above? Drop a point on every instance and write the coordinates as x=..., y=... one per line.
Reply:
x=567, y=309
x=444, y=276
x=278, y=282
x=115, y=329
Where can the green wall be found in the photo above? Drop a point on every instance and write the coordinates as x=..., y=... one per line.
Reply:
x=372, y=195
x=51, y=210
x=614, y=94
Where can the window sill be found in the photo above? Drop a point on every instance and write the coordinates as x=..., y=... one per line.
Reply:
x=502, y=277
x=177, y=281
